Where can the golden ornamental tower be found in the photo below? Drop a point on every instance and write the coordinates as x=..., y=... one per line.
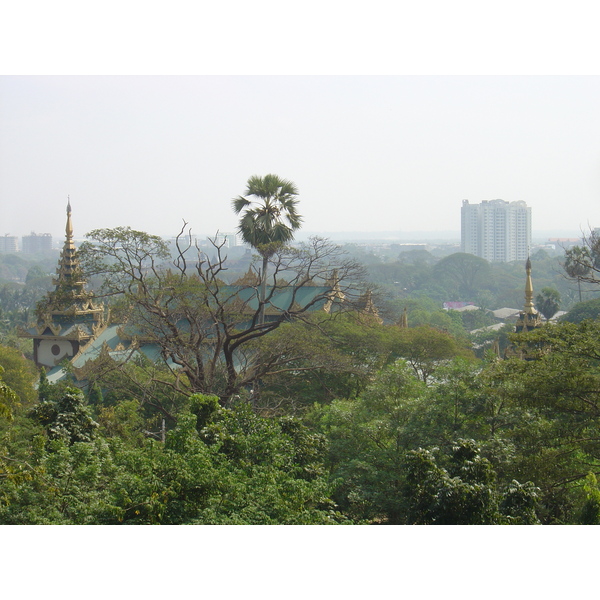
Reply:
x=367, y=307
x=68, y=318
x=68, y=275
x=336, y=297
x=529, y=318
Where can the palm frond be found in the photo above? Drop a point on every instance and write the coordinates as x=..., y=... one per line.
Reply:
x=269, y=213
x=239, y=204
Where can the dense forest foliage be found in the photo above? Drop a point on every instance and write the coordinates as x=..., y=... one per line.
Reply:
x=372, y=423
x=493, y=441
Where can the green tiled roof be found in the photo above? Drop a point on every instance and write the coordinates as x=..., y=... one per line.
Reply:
x=283, y=298
x=119, y=348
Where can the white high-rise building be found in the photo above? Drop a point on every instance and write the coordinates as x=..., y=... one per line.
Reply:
x=496, y=230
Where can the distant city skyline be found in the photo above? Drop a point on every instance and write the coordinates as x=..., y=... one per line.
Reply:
x=368, y=153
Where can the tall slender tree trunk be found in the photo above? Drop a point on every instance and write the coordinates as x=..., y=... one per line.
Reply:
x=261, y=318
x=263, y=290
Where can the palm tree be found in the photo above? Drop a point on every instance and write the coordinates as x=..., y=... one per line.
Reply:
x=548, y=302
x=269, y=219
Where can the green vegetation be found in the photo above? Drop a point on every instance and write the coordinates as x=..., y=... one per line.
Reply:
x=472, y=442
x=548, y=302
x=589, y=309
x=419, y=274
x=317, y=417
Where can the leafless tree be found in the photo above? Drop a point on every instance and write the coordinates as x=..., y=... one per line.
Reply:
x=209, y=332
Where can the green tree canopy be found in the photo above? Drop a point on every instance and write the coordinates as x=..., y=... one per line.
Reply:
x=548, y=302
x=468, y=273
x=67, y=418
x=217, y=466
x=8, y=398
x=19, y=374
x=589, y=309
x=464, y=491
x=425, y=348
x=582, y=263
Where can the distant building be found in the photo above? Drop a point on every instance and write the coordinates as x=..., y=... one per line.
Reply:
x=452, y=305
x=564, y=243
x=506, y=314
x=228, y=240
x=496, y=230
x=36, y=242
x=8, y=243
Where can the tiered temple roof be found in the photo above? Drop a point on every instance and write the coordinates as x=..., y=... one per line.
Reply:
x=68, y=313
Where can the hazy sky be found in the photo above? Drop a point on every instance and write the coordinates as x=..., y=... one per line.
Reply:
x=382, y=114
x=368, y=153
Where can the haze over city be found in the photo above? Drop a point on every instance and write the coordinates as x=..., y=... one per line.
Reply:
x=369, y=154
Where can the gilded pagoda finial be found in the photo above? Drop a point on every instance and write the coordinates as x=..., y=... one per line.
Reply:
x=335, y=296
x=70, y=293
x=69, y=227
x=529, y=307
x=529, y=318
x=367, y=306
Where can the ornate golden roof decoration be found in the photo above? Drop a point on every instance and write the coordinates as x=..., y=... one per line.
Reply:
x=368, y=308
x=70, y=296
x=529, y=317
x=250, y=278
x=335, y=296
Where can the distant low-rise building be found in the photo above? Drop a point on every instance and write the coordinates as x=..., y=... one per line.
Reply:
x=565, y=242
x=228, y=240
x=460, y=306
x=506, y=313
x=36, y=242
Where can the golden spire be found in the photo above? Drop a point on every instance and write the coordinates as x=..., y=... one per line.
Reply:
x=68, y=265
x=69, y=227
x=529, y=307
x=368, y=308
x=335, y=297
x=529, y=318
x=70, y=293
